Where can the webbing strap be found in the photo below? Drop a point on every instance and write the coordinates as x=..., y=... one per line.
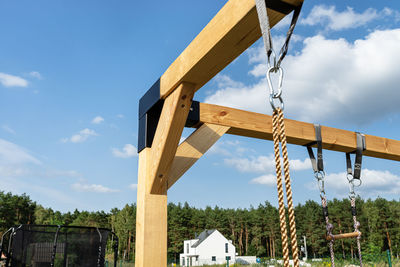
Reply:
x=317, y=164
x=361, y=146
x=266, y=29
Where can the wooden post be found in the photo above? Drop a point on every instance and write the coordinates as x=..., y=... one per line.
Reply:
x=154, y=165
x=151, y=219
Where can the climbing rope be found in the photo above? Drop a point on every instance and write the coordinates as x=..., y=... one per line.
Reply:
x=278, y=131
x=282, y=214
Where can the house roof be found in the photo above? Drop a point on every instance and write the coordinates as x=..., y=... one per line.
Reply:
x=202, y=236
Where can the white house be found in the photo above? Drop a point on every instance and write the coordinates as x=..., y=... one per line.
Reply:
x=210, y=247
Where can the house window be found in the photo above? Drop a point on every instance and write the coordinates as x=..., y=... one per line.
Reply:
x=187, y=248
x=183, y=261
x=213, y=258
x=226, y=247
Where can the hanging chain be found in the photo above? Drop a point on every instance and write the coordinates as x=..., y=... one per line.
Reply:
x=329, y=227
x=354, y=178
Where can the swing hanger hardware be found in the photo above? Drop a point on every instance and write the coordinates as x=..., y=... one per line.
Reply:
x=275, y=95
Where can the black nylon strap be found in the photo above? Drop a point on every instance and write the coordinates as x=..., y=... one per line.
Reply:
x=353, y=211
x=325, y=211
x=261, y=6
x=285, y=47
x=361, y=146
x=317, y=164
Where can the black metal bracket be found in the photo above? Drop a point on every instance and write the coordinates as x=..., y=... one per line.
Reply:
x=150, y=107
x=280, y=6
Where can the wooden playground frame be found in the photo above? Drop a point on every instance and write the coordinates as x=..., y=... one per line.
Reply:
x=168, y=106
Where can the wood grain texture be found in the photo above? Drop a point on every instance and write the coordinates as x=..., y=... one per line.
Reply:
x=342, y=236
x=166, y=139
x=251, y=124
x=151, y=219
x=193, y=148
x=226, y=36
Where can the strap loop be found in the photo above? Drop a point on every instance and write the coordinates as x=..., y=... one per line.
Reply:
x=266, y=31
x=317, y=164
x=361, y=146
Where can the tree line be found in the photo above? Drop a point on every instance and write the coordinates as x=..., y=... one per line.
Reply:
x=254, y=231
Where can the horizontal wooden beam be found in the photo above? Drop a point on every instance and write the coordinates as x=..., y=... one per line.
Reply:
x=226, y=36
x=251, y=124
x=193, y=148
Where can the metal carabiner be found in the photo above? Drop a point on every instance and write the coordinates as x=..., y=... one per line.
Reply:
x=280, y=81
x=271, y=101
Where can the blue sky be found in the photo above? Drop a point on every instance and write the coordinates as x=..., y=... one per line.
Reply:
x=72, y=73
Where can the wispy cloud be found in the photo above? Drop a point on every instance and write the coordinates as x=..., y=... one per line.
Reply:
x=133, y=186
x=11, y=153
x=95, y=188
x=9, y=80
x=127, y=151
x=80, y=137
x=35, y=74
x=8, y=129
x=262, y=164
x=97, y=120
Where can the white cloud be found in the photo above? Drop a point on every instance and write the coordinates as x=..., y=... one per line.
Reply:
x=97, y=120
x=120, y=116
x=133, y=186
x=374, y=183
x=96, y=188
x=9, y=80
x=268, y=179
x=127, y=151
x=334, y=20
x=262, y=164
x=11, y=154
x=35, y=74
x=8, y=129
x=80, y=137
x=326, y=78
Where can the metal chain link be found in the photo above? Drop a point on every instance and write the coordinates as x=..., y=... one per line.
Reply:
x=329, y=229
x=356, y=226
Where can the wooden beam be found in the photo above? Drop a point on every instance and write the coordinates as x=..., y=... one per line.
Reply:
x=226, y=36
x=193, y=148
x=151, y=219
x=166, y=139
x=251, y=124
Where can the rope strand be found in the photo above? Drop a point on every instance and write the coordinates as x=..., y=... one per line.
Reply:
x=282, y=214
x=292, y=222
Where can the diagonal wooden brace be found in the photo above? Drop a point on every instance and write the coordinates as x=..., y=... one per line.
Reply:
x=166, y=139
x=193, y=148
